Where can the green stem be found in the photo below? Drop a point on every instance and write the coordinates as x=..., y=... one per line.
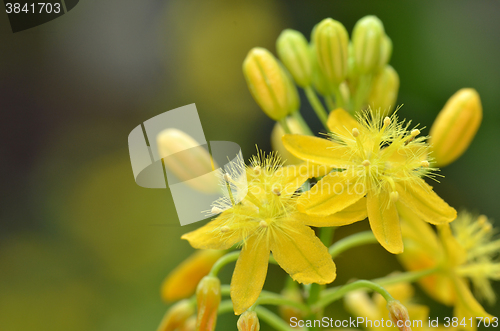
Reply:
x=337, y=293
x=303, y=125
x=357, y=239
x=329, y=102
x=270, y=298
x=272, y=319
x=225, y=306
x=228, y=258
x=409, y=277
x=284, y=125
x=325, y=235
x=316, y=105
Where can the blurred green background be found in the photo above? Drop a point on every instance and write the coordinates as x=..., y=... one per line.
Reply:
x=82, y=247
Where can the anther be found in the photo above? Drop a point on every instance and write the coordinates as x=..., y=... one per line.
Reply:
x=425, y=164
x=277, y=191
x=394, y=196
x=387, y=121
x=355, y=132
x=263, y=224
x=257, y=170
x=227, y=178
x=216, y=210
x=415, y=132
x=225, y=229
x=365, y=163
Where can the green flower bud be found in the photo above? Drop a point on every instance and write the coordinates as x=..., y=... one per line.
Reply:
x=384, y=90
x=367, y=40
x=330, y=41
x=293, y=50
x=385, y=52
x=270, y=84
x=319, y=80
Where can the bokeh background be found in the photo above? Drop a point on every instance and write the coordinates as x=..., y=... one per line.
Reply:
x=82, y=247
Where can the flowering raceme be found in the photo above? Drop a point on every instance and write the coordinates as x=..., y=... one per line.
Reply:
x=377, y=158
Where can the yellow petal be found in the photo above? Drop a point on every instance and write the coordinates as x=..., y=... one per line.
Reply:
x=354, y=213
x=302, y=255
x=249, y=274
x=183, y=280
x=384, y=221
x=466, y=305
x=455, y=252
x=295, y=175
x=419, y=232
x=335, y=192
x=342, y=123
x=405, y=153
x=210, y=235
x=425, y=203
x=316, y=150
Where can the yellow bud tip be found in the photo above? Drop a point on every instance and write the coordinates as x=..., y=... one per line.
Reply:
x=399, y=315
x=216, y=210
x=257, y=170
x=276, y=191
x=263, y=224
x=387, y=121
x=415, y=132
x=425, y=164
x=227, y=178
x=365, y=163
x=355, y=132
x=225, y=229
x=394, y=196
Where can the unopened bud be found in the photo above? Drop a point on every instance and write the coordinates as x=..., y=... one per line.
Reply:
x=182, y=281
x=277, y=142
x=330, y=41
x=248, y=321
x=366, y=41
x=455, y=127
x=176, y=316
x=384, y=91
x=294, y=52
x=319, y=80
x=208, y=298
x=399, y=315
x=189, y=325
x=385, y=52
x=270, y=84
x=189, y=161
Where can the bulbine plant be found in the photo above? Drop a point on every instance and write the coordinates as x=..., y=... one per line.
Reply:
x=370, y=164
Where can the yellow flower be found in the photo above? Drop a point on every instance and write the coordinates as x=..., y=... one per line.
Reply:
x=266, y=220
x=381, y=164
x=183, y=280
x=463, y=251
x=360, y=304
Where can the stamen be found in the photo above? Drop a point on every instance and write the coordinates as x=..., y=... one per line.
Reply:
x=355, y=132
x=415, y=132
x=263, y=224
x=387, y=121
x=225, y=229
x=216, y=210
x=425, y=164
x=366, y=163
x=394, y=196
x=227, y=178
x=257, y=170
x=277, y=191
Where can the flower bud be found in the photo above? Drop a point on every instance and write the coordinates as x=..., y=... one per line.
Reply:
x=399, y=315
x=189, y=325
x=270, y=84
x=330, y=40
x=319, y=80
x=182, y=281
x=295, y=54
x=176, y=316
x=384, y=91
x=385, y=52
x=208, y=298
x=248, y=321
x=455, y=127
x=367, y=40
x=187, y=159
x=277, y=142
